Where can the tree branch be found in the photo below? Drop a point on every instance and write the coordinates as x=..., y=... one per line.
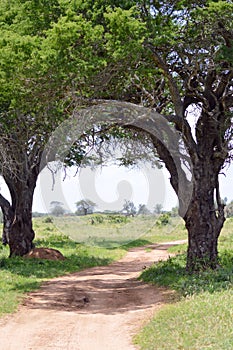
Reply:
x=226, y=34
x=183, y=126
x=223, y=83
x=174, y=90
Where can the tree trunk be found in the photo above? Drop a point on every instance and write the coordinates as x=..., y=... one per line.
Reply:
x=8, y=217
x=204, y=220
x=18, y=231
x=21, y=234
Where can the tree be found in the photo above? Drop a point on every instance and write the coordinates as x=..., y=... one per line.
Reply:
x=85, y=206
x=186, y=55
x=57, y=208
x=173, y=57
x=129, y=208
x=58, y=211
x=24, y=123
x=158, y=208
x=175, y=211
x=37, y=79
x=51, y=56
x=229, y=209
x=143, y=210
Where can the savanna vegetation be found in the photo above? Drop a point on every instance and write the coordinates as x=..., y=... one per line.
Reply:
x=169, y=57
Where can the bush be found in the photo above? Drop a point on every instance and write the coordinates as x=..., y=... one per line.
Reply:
x=112, y=219
x=164, y=219
x=117, y=219
x=48, y=220
x=97, y=219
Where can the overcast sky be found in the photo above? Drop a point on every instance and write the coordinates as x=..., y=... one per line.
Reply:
x=109, y=186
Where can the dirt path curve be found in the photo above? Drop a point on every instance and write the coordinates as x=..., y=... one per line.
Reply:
x=96, y=309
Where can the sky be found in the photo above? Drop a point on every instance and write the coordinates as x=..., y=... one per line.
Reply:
x=110, y=186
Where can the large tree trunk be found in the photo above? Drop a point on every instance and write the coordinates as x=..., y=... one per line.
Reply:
x=204, y=220
x=8, y=216
x=21, y=234
x=18, y=231
x=199, y=200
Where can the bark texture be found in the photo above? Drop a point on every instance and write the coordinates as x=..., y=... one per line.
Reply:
x=204, y=220
x=17, y=215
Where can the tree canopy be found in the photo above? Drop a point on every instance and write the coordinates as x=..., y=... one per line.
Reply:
x=174, y=57
x=85, y=206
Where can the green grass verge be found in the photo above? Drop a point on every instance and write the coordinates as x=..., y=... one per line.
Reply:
x=172, y=274
x=202, y=319
x=202, y=322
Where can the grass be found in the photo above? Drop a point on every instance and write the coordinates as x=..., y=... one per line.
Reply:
x=172, y=274
x=202, y=319
x=113, y=234
x=202, y=322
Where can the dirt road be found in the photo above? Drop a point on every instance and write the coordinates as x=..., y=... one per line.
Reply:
x=96, y=309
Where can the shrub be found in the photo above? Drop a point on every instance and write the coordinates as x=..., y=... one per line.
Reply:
x=48, y=220
x=117, y=219
x=164, y=219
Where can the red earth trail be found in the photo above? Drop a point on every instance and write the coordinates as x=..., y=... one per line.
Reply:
x=95, y=309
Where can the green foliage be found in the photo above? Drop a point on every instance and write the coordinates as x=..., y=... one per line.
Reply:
x=48, y=220
x=163, y=219
x=117, y=219
x=55, y=52
x=97, y=219
x=110, y=219
x=125, y=33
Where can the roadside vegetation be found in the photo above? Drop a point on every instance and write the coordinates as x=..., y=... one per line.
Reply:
x=202, y=316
